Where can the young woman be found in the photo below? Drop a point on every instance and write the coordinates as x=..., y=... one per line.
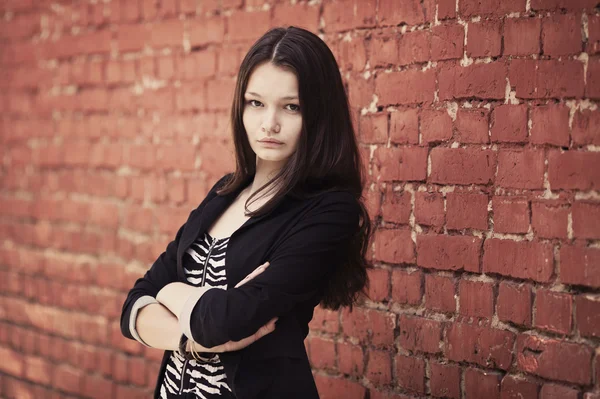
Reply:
x=236, y=266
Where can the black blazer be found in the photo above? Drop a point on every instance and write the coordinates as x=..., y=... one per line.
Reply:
x=304, y=240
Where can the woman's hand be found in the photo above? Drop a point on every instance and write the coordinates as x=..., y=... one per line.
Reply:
x=237, y=345
x=234, y=345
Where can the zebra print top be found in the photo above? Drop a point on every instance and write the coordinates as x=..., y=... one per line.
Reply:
x=204, y=265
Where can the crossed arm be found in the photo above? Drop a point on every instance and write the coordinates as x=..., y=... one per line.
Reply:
x=211, y=317
x=157, y=324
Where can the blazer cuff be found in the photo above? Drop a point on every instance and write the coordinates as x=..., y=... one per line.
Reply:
x=139, y=304
x=186, y=312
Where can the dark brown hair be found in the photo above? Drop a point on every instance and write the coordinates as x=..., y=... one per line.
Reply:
x=327, y=157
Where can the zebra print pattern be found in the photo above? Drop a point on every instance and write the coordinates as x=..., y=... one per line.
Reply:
x=204, y=265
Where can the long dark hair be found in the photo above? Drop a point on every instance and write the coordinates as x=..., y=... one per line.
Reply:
x=327, y=157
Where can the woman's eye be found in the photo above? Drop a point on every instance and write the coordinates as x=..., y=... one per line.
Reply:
x=254, y=103
x=295, y=107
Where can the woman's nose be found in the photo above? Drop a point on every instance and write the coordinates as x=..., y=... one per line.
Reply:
x=270, y=123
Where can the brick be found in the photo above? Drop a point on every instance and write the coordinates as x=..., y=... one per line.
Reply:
x=68, y=379
x=574, y=170
x=352, y=54
x=484, y=81
x=407, y=287
x=410, y=373
x=550, y=125
x=38, y=370
x=196, y=66
x=482, y=384
x=556, y=4
x=435, y=125
x=514, y=303
x=521, y=36
x=375, y=394
x=396, y=207
x=446, y=9
x=334, y=387
x=374, y=128
x=541, y=357
x=429, y=209
x=439, y=293
x=379, y=285
x=561, y=35
x=379, y=367
x=350, y=359
x=555, y=391
x=394, y=246
x=484, y=39
x=404, y=126
x=348, y=14
x=404, y=164
x=325, y=320
x=137, y=370
x=393, y=13
x=444, y=380
x=373, y=202
x=462, y=166
x=447, y=41
x=206, y=30
x=228, y=61
x=490, y=7
x=586, y=219
x=513, y=387
x=476, y=298
x=593, y=79
x=12, y=363
x=579, y=265
x=553, y=78
x=521, y=169
x=472, y=125
x=509, y=123
x=417, y=87
x=466, y=210
x=549, y=219
x=485, y=346
x=244, y=26
x=593, y=43
x=588, y=315
x=584, y=128
x=553, y=311
x=384, y=51
x=419, y=334
x=360, y=92
x=220, y=92
x=527, y=260
x=414, y=47
x=444, y=252
x=98, y=387
x=322, y=353
x=303, y=15
x=369, y=326
x=511, y=214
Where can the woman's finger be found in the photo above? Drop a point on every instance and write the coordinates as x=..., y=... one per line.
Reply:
x=253, y=274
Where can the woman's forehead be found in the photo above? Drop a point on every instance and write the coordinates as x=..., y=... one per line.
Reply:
x=268, y=80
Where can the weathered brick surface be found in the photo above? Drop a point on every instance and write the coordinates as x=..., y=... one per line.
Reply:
x=477, y=121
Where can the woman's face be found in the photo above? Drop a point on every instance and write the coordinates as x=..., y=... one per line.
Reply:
x=272, y=111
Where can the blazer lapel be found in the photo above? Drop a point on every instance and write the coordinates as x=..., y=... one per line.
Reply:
x=200, y=222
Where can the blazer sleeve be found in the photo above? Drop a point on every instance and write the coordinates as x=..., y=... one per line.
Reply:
x=298, y=268
x=162, y=272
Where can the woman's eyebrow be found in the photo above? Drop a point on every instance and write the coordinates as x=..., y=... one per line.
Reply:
x=283, y=98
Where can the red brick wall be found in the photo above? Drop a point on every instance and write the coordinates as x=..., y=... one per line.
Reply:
x=479, y=120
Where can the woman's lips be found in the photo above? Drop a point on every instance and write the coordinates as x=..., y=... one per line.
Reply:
x=270, y=144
